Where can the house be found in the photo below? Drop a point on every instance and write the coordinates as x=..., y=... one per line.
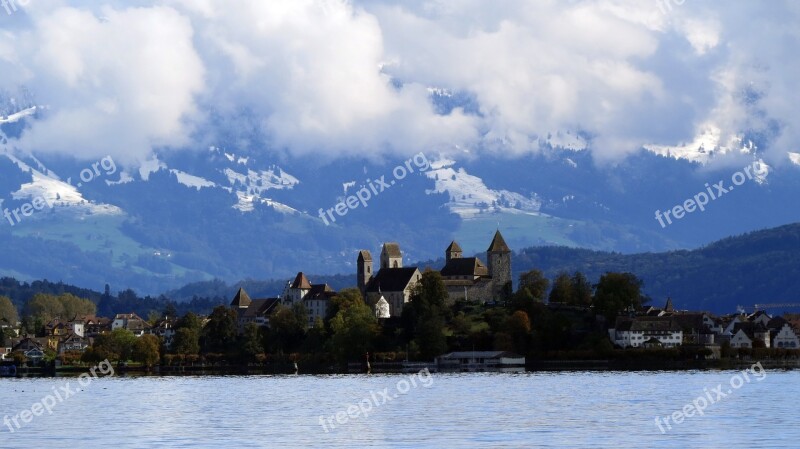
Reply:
x=94, y=326
x=746, y=334
x=164, y=330
x=31, y=348
x=5, y=352
x=481, y=361
x=73, y=343
x=258, y=311
x=131, y=322
x=760, y=317
x=634, y=332
x=318, y=301
x=785, y=337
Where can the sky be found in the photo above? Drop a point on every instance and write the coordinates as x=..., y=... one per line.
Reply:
x=336, y=78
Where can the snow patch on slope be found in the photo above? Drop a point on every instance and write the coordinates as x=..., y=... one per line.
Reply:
x=706, y=144
x=470, y=197
x=191, y=180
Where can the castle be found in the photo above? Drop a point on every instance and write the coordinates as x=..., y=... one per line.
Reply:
x=466, y=278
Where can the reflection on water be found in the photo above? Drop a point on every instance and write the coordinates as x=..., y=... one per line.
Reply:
x=576, y=409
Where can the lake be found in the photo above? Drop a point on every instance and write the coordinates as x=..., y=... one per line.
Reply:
x=544, y=409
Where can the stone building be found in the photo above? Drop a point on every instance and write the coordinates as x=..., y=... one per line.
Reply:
x=464, y=277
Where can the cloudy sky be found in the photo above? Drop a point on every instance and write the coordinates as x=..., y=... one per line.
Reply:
x=335, y=77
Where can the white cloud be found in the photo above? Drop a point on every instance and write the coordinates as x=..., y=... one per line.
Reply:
x=319, y=76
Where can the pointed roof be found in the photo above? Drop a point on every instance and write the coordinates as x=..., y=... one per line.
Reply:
x=241, y=300
x=498, y=244
x=301, y=282
x=668, y=307
x=392, y=249
x=454, y=247
x=364, y=255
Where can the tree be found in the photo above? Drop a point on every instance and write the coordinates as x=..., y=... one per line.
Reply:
x=146, y=350
x=170, y=311
x=535, y=282
x=426, y=315
x=582, y=290
x=8, y=313
x=220, y=332
x=186, y=341
x=616, y=293
x=252, y=342
x=518, y=326
x=115, y=346
x=562, y=291
x=287, y=327
x=45, y=307
x=74, y=306
x=190, y=321
x=342, y=300
x=354, y=329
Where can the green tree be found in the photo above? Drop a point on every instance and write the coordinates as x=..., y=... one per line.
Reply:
x=342, y=300
x=354, y=330
x=518, y=326
x=251, y=342
x=116, y=346
x=221, y=329
x=535, y=282
x=190, y=321
x=562, y=291
x=287, y=327
x=8, y=313
x=44, y=307
x=146, y=350
x=74, y=306
x=582, y=290
x=186, y=341
x=616, y=293
x=426, y=314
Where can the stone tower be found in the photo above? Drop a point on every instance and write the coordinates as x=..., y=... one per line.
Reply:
x=391, y=257
x=453, y=251
x=499, y=258
x=364, y=271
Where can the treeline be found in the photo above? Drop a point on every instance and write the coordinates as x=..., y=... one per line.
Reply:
x=429, y=326
x=106, y=304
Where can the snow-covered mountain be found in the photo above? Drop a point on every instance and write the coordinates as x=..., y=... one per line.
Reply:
x=235, y=213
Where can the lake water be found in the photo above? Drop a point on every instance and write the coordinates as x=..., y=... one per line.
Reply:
x=552, y=410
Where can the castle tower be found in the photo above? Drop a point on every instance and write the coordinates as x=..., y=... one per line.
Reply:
x=364, y=271
x=453, y=251
x=499, y=258
x=391, y=257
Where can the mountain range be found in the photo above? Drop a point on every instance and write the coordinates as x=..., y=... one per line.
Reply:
x=238, y=211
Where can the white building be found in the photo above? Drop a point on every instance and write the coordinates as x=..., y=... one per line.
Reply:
x=635, y=332
x=786, y=338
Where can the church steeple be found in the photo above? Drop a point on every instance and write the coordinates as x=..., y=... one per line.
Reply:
x=453, y=251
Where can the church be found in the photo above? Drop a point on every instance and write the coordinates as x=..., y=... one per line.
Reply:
x=466, y=278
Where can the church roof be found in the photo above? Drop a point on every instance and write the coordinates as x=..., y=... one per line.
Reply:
x=454, y=247
x=261, y=307
x=392, y=279
x=668, y=307
x=242, y=299
x=364, y=255
x=301, y=281
x=498, y=244
x=469, y=266
x=320, y=291
x=392, y=249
